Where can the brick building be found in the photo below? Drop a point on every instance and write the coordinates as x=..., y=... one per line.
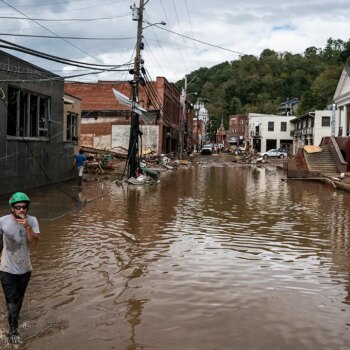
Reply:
x=106, y=123
x=238, y=129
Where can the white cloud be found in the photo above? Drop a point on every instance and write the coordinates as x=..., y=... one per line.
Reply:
x=247, y=27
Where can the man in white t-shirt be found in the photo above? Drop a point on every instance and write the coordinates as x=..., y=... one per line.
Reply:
x=17, y=232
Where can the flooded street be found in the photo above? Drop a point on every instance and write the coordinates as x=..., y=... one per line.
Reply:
x=214, y=257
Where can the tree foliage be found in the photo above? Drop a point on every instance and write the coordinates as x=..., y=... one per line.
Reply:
x=260, y=84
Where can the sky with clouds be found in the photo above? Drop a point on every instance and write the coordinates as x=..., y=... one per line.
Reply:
x=223, y=29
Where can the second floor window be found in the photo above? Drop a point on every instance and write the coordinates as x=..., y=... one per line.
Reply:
x=326, y=121
x=283, y=126
x=28, y=114
x=271, y=126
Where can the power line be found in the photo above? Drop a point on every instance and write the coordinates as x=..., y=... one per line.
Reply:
x=65, y=37
x=202, y=42
x=64, y=20
x=49, y=30
x=159, y=44
x=152, y=56
x=123, y=38
x=178, y=21
x=76, y=9
x=40, y=80
x=12, y=46
x=168, y=22
x=189, y=20
x=54, y=3
x=155, y=94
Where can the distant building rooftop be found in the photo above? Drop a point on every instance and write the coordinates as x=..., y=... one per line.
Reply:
x=289, y=107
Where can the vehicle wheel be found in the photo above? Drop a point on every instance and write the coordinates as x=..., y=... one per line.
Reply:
x=282, y=156
x=265, y=156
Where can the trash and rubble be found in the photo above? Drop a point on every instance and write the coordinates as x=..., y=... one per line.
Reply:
x=152, y=164
x=242, y=155
x=140, y=180
x=99, y=161
x=149, y=172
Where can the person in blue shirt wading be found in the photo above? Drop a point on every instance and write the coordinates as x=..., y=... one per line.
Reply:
x=18, y=231
x=79, y=160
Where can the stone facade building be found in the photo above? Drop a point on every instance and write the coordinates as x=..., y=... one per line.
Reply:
x=33, y=151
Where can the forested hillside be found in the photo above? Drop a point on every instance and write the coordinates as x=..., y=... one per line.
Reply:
x=260, y=84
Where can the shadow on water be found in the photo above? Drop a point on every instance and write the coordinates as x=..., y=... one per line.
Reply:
x=214, y=257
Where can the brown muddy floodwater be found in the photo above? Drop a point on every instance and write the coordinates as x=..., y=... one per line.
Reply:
x=214, y=257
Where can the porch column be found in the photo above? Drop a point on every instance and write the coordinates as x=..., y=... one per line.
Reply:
x=339, y=121
x=346, y=121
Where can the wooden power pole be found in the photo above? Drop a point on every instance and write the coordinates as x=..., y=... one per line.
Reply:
x=135, y=122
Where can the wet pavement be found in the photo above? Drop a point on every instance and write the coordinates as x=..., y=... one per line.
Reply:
x=218, y=256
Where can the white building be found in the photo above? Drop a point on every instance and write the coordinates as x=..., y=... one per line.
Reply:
x=202, y=111
x=342, y=101
x=201, y=121
x=310, y=128
x=268, y=131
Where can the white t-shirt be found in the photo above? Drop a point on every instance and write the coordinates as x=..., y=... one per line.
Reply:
x=15, y=254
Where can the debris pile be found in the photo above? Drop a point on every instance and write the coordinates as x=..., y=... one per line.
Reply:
x=152, y=165
x=246, y=156
x=99, y=161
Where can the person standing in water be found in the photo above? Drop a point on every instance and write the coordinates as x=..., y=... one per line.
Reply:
x=79, y=160
x=18, y=231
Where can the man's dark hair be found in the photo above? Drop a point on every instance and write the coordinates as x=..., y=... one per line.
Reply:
x=81, y=151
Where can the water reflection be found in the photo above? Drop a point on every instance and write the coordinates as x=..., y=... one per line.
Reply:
x=212, y=257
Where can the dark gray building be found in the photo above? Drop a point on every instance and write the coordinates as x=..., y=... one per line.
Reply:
x=32, y=150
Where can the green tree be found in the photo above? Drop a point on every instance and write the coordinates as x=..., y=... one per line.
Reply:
x=260, y=84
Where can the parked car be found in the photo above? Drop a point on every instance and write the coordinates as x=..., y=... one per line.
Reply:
x=207, y=149
x=279, y=153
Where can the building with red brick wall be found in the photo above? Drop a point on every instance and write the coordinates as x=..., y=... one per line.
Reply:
x=238, y=129
x=106, y=123
x=221, y=135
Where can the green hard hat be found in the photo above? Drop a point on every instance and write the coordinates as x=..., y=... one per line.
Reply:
x=18, y=197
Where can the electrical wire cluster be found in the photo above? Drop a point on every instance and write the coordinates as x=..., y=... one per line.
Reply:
x=188, y=41
x=154, y=96
x=93, y=67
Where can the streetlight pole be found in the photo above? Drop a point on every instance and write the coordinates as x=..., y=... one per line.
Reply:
x=196, y=108
x=183, y=115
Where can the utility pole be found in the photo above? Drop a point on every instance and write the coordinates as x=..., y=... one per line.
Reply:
x=197, y=108
x=135, y=123
x=182, y=119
